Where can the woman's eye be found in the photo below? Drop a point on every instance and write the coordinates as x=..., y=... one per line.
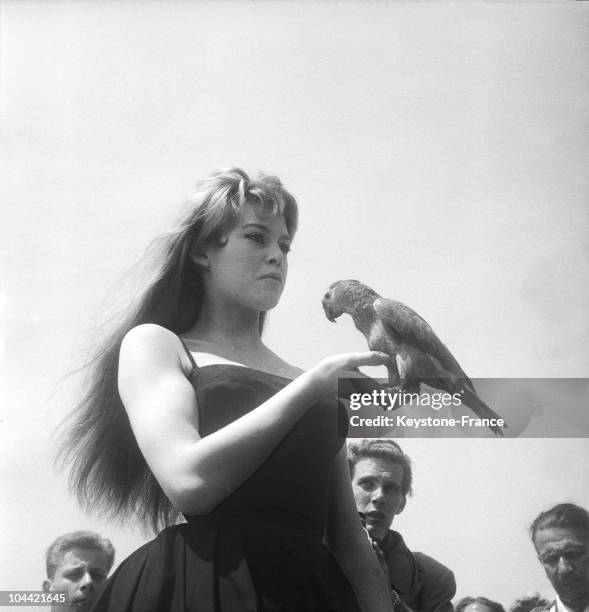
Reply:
x=285, y=248
x=256, y=237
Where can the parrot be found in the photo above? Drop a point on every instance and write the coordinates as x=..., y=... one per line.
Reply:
x=416, y=354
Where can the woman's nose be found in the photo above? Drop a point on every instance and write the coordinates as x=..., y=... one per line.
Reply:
x=275, y=255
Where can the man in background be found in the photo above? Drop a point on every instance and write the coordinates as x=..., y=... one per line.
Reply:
x=381, y=480
x=478, y=604
x=78, y=563
x=527, y=603
x=561, y=538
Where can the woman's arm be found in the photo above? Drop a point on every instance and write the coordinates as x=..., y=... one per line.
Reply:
x=350, y=545
x=198, y=473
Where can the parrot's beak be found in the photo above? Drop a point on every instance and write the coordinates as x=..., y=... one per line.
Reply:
x=331, y=313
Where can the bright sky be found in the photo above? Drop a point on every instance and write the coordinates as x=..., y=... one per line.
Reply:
x=439, y=152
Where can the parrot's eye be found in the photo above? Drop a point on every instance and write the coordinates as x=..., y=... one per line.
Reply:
x=327, y=296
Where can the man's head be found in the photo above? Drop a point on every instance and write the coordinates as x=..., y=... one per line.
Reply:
x=478, y=604
x=381, y=480
x=528, y=602
x=78, y=563
x=561, y=538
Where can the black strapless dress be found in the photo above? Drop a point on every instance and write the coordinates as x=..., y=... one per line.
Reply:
x=261, y=548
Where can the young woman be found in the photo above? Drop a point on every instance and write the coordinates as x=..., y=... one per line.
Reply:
x=209, y=423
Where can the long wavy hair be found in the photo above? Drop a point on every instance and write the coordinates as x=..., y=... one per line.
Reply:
x=108, y=473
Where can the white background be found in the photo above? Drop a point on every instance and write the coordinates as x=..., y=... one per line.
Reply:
x=439, y=153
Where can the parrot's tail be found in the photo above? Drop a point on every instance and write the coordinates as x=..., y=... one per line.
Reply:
x=476, y=404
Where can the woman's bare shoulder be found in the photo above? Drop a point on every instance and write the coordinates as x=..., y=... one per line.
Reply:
x=154, y=342
x=149, y=334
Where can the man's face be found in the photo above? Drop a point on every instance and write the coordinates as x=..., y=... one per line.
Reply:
x=377, y=490
x=564, y=553
x=80, y=574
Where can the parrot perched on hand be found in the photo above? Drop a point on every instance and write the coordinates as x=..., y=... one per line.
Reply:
x=417, y=354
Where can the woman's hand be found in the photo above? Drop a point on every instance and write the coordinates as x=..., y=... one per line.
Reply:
x=324, y=376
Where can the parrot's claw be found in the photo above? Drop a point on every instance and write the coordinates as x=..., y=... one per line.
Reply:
x=392, y=388
x=395, y=392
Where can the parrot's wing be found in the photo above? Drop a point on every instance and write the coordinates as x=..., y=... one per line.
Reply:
x=414, y=329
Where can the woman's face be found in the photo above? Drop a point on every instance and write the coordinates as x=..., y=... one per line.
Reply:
x=250, y=268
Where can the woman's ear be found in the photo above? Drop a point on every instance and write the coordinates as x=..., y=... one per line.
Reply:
x=200, y=257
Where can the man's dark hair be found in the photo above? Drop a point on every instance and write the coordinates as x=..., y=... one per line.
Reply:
x=381, y=448
x=528, y=603
x=570, y=516
x=466, y=601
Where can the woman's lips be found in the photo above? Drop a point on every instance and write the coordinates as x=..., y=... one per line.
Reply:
x=273, y=276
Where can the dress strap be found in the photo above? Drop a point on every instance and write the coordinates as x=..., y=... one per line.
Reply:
x=192, y=361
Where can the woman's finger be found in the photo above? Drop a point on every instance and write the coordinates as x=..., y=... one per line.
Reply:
x=374, y=358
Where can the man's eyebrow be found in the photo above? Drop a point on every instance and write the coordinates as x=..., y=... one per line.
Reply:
x=264, y=228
